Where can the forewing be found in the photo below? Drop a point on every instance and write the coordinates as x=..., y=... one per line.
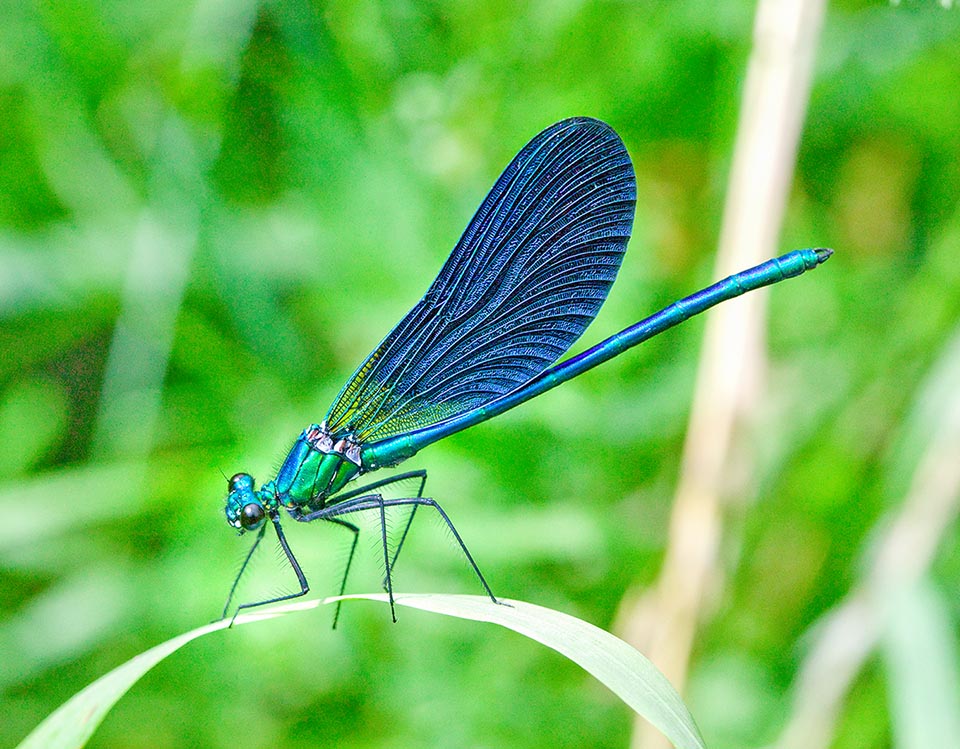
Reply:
x=526, y=278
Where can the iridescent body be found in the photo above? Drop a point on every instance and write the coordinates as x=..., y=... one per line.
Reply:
x=527, y=277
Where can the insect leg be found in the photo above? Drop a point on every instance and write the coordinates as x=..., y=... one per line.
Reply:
x=294, y=564
x=422, y=475
x=386, y=556
x=243, y=568
x=346, y=572
x=368, y=491
x=372, y=502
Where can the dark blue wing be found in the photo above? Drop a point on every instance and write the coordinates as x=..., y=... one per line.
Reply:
x=526, y=278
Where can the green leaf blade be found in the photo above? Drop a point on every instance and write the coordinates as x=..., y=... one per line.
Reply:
x=619, y=666
x=73, y=723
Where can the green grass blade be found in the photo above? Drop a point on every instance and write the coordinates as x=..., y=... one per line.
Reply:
x=620, y=667
x=71, y=724
x=613, y=662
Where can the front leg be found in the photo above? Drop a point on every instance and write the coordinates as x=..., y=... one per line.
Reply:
x=243, y=568
x=294, y=564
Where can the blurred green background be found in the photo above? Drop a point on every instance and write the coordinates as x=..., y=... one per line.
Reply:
x=210, y=212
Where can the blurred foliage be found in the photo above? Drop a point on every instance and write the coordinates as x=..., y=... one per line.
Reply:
x=212, y=211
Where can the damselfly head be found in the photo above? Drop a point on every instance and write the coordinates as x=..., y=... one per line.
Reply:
x=244, y=510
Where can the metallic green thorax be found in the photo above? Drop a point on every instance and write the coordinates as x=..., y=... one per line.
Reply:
x=315, y=468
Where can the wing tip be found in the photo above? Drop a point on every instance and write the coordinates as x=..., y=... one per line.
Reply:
x=583, y=122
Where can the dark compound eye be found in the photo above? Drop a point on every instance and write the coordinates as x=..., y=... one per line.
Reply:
x=238, y=480
x=251, y=516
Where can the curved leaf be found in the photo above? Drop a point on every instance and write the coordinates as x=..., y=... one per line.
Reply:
x=616, y=664
x=71, y=724
x=619, y=666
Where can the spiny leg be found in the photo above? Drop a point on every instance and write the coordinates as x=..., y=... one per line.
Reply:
x=368, y=490
x=422, y=475
x=373, y=502
x=294, y=564
x=463, y=547
x=243, y=568
x=353, y=547
x=386, y=556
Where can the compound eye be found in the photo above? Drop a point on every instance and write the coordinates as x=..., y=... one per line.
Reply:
x=238, y=480
x=251, y=516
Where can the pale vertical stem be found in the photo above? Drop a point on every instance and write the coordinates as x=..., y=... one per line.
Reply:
x=731, y=367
